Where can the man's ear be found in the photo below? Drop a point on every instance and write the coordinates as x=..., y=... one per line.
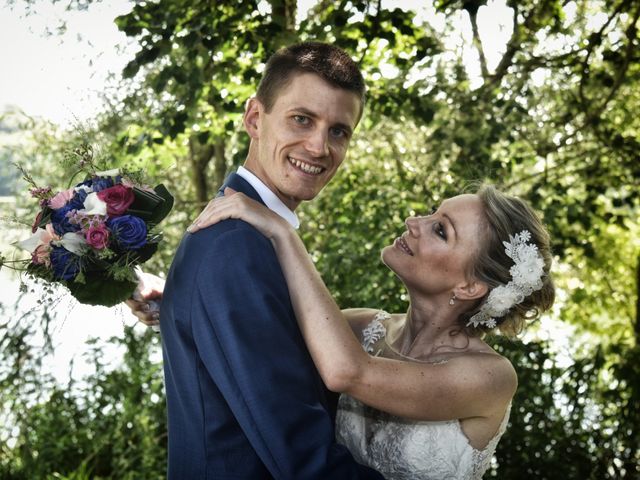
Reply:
x=252, y=111
x=471, y=290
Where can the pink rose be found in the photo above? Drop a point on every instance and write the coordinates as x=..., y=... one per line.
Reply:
x=60, y=199
x=97, y=237
x=118, y=198
x=40, y=255
x=52, y=235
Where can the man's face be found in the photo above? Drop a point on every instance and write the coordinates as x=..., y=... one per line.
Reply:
x=303, y=140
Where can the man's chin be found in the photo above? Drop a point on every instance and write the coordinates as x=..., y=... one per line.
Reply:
x=303, y=195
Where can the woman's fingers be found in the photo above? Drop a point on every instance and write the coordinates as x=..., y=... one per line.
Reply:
x=217, y=210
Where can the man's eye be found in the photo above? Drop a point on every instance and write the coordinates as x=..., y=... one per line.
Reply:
x=301, y=119
x=337, y=132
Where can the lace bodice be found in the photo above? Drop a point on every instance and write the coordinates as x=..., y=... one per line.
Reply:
x=405, y=449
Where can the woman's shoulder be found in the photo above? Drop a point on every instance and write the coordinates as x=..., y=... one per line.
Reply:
x=494, y=371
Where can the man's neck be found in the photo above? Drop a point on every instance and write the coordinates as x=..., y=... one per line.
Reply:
x=269, y=197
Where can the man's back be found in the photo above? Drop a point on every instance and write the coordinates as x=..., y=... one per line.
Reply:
x=244, y=399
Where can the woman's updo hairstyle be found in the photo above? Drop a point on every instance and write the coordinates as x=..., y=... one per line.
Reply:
x=505, y=215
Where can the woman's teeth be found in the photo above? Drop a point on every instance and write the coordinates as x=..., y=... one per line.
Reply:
x=404, y=246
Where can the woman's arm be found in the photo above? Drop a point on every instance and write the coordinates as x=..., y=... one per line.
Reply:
x=476, y=385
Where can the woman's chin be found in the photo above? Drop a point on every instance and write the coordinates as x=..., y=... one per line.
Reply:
x=386, y=256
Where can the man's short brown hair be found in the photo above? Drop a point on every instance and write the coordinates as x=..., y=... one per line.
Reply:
x=330, y=63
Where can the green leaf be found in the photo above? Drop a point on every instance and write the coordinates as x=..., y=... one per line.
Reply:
x=99, y=289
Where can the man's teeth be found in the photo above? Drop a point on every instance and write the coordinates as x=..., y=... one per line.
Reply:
x=305, y=167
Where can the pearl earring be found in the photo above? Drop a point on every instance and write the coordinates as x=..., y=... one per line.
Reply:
x=452, y=301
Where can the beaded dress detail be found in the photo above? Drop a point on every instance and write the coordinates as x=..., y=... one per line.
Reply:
x=404, y=449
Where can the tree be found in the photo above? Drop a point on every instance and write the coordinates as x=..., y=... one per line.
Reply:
x=553, y=120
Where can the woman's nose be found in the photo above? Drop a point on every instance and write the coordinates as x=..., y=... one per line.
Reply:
x=412, y=225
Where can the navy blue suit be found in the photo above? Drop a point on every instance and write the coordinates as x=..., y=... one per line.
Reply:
x=244, y=399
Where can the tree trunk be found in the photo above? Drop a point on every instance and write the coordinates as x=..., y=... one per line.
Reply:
x=636, y=326
x=283, y=13
x=199, y=157
x=220, y=163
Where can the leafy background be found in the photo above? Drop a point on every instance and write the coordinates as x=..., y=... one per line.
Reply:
x=553, y=120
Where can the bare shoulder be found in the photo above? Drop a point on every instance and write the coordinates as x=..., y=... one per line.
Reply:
x=495, y=373
x=359, y=318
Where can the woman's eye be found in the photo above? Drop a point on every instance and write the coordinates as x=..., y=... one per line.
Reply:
x=439, y=228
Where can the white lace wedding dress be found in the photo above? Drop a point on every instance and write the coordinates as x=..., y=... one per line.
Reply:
x=405, y=449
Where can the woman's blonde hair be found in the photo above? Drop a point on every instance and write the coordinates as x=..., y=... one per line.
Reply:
x=506, y=215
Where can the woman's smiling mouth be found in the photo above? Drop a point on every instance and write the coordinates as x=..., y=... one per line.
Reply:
x=402, y=245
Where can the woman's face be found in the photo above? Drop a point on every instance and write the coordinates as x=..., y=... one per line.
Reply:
x=434, y=254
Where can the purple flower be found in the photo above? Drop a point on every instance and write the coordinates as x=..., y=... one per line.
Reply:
x=129, y=231
x=66, y=265
x=60, y=221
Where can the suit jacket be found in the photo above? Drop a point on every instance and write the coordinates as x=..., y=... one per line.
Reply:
x=244, y=399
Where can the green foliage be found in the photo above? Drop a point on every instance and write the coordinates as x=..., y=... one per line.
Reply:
x=109, y=425
x=554, y=120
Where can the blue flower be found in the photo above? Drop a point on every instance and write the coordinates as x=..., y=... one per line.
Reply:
x=97, y=183
x=61, y=223
x=77, y=202
x=66, y=265
x=129, y=231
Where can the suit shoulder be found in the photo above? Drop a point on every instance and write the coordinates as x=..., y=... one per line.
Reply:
x=227, y=235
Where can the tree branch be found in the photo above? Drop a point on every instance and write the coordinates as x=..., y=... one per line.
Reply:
x=513, y=45
x=473, y=15
x=594, y=40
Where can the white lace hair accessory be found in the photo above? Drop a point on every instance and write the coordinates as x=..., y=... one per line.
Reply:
x=526, y=278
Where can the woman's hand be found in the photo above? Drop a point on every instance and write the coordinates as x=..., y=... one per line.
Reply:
x=238, y=205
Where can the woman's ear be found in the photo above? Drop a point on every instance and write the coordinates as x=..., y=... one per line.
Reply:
x=252, y=112
x=471, y=290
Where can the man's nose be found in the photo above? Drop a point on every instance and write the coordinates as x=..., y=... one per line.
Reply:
x=317, y=143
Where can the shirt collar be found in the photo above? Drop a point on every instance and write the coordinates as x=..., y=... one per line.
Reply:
x=270, y=199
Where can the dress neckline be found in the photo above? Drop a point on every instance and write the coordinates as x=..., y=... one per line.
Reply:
x=376, y=331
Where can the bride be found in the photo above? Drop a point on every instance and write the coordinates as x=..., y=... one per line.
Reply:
x=423, y=396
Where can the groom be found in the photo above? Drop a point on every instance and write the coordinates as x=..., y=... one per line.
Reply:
x=244, y=399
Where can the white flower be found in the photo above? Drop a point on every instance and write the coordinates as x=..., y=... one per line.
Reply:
x=501, y=299
x=526, y=277
x=93, y=205
x=74, y=242
x=34, y=241
x=528, y=272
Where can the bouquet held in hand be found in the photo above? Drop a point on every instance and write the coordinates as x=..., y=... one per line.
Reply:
x=90, y=237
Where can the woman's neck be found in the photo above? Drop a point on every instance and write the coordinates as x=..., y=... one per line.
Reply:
x=428, y=329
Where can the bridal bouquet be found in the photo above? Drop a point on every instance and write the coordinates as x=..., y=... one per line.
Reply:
x=90, y=237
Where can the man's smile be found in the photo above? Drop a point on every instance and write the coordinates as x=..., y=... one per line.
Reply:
x=305, y=167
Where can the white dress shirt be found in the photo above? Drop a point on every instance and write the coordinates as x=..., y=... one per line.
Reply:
x=270, y=199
